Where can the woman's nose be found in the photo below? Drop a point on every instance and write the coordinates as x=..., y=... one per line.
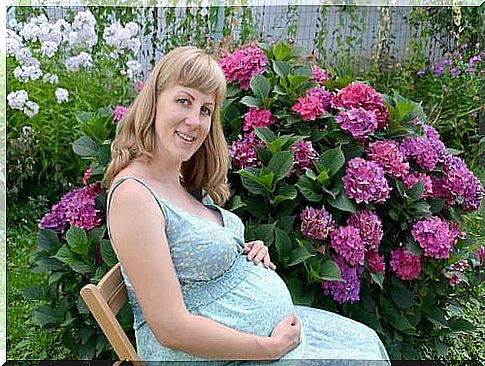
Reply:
x=193, y=117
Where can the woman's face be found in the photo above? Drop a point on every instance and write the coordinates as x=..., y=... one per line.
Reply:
x=182, y=122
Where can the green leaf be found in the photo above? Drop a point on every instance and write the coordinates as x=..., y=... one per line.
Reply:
x=436, y=205
x=342, y=202
x=402, y=296
x=252, y=101
x=55, y=276
x=260, y=86
x=299, y=255
x=236, y=203
x=299, y=295
x=265, y=232
x=265, y=134
x=47, y=239
x=296, y=80
x=95, y=235
x=307, y=188
x=330, y=271
x=45, y=315
x=283, y=245
x=108, y=254
x=378, y=278
x=66, y=256
x=281, y=50
x=35, y=293
x=251, y=181
x=461, y=325
x=437, y=317
x=413, y=247
x=333, y=160
x=281, y=164
x=416, y=191
x=282, y=69
x=286, y=192
x=85, y=146
x=421, y=209
x=286, y=223
x=77, y=240
x=399, y=321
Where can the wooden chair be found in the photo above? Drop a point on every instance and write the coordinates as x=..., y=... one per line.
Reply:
x=105, y=300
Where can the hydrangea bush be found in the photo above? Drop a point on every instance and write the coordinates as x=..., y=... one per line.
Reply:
x=355, y=194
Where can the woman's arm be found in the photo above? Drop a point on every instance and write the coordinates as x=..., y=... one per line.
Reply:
x=138, y=233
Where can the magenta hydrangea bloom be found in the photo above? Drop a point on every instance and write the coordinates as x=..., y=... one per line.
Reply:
x=361, y=95
x=257, y=117
x=365, y=182
x=376, y=262
x=57, y=219
x=421, y=150
x=346, y=241
x=314, y=104
x=386, y=154
x=81, y=208
x=242, y=64
x=407, y=266
x=369, y=226
x=304, y=155
x=347, y=290
x=435, y=237
x=459, y=183
x=411, y=178
x=243, y=151
x=119, y=113
x=316, y=223
x=434, y=138
x=358, y=122
x=320, y=76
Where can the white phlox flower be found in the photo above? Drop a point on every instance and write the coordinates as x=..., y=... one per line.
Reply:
x=48, y=48
x=50, y=78
x=17, y=99
x=23, y=54
x=83, y=19
x=86, y=37
x=12, y=45
x=31, y=108
x=84, y=59
x=133, y=28
x=30, y=31
x=62, y=95
x=12, y=23
x=120, y=37
x=26, y=73
x=134, y=69
x=50, y=32
x=41, y=19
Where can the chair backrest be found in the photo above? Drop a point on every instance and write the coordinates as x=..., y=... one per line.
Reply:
x=105, y=300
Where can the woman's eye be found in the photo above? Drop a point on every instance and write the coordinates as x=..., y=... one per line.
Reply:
x=183, y=101
x=206, y=111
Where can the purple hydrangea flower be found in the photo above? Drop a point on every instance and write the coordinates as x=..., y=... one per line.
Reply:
x=421, y=150
x=316, y=223
x=412, y=178
x=369, y=226
x=365, y=182
x=243, y=151
x=434, y=236
x=56, y=219
x=346, y=241
x=347, y=290
x=376, y=262
x=386, y=154
x=358, y=122
x=434, y=138
x=407, y=266
x=81, y=208
x=304, y=155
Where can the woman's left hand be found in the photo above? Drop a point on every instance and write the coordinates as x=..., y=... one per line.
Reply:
x=258, y=252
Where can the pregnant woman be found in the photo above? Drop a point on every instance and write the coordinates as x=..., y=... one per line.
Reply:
x=193, y=291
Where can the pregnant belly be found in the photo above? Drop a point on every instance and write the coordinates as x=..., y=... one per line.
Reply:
x=255, y=305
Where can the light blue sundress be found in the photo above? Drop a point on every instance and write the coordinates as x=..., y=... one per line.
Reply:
x=219, y=283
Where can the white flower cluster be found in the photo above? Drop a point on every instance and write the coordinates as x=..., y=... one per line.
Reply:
x=122, y=38
x=62, y=95
x=83, y=30
x=26, y=73
x=50, y=78
x=20, y=100
x=134, y=70
x=74, y=63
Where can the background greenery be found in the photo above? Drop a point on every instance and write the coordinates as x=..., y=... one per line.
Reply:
x=453, y=102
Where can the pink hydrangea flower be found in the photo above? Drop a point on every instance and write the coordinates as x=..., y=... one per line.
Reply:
x=346, y=242
x=358, y=122
x=87, y=175
x=386, y=154
x=376, y=262
x=81, y=209
x=313, y=105
x=320, y=76
x=421, y=150
x=119, y=113
x=242, y=64
x=316, y=223
x=243, y=151
x=411, y=178
x=304, y=155
x=257, y=117
x=369, y=226
x=347, y=290
x=365, y=182
x=434, y=138
x=57, y=219
x=433, y=234
x=407, y=266
x=360, y=95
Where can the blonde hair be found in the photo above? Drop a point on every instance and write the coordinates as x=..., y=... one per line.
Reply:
x=207, y=169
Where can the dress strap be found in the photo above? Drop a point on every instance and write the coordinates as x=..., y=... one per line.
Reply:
x=117, y=183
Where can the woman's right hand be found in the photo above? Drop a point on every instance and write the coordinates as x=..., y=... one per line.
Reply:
x=286, y=335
